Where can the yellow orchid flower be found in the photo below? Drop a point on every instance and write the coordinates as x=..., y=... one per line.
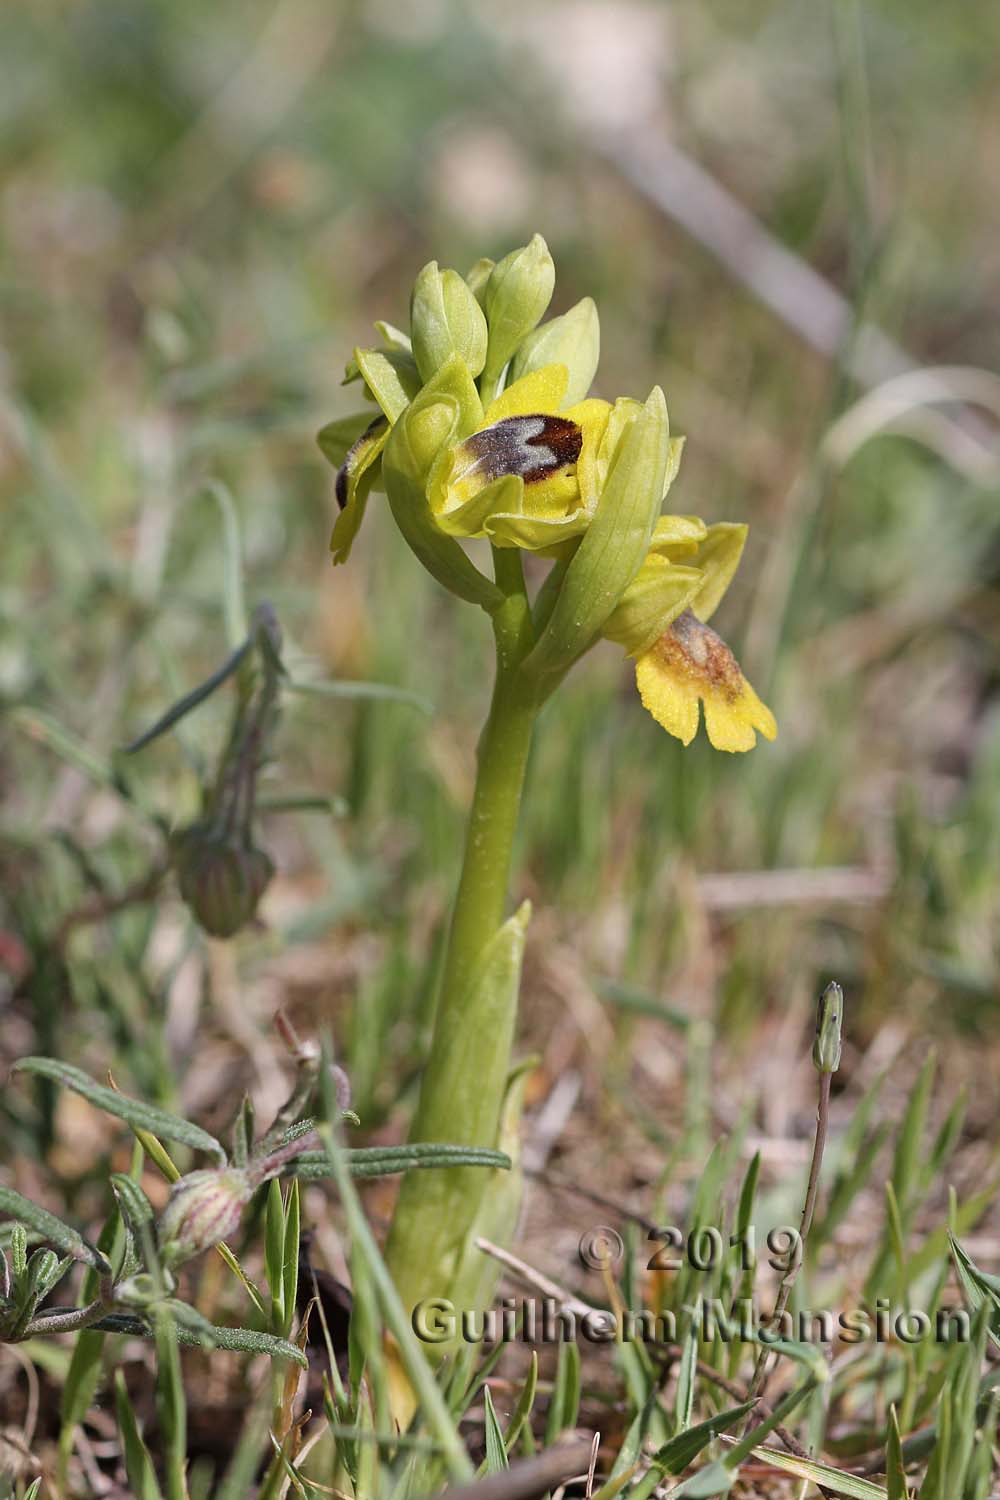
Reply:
x=690, y=665
x=681, y=663
x=530, y=473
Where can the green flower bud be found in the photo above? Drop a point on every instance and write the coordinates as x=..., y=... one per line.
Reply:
x=829, y=1021
x=445, y=319
x=573, y=340
x=477, y=278
x=221, y=877
x=203, y=1208
x=517, y=294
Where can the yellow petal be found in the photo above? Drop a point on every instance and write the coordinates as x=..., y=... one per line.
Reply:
x=677, y=536
x=689, y=663
x=543, y=534
x=718, y=557
x=592, y=417
x=669, y=698
x=542, y=390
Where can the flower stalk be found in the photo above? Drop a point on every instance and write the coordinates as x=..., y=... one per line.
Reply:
x=463, y=1086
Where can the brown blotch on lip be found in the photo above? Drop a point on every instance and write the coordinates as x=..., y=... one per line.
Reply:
x=695, y=648
x=533, y=446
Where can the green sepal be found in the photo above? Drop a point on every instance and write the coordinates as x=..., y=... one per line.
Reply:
x=517, y=293
x=718, y=557
x=446, y=409
x=393, y=337
x=445, y=319
x=391, y=376
x=613, y=547
x=656, y=596
x=338, y=437
x=573, y=340
x=358, y=475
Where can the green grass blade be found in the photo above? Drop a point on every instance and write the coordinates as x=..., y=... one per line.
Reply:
x=138, y=1463
x=496, y=1449
x=832, y=1480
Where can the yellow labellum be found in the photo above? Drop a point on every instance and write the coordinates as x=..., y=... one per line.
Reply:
x=689, y=665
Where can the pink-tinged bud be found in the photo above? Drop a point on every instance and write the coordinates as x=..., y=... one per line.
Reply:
x=203, y=1208
x=221, y=878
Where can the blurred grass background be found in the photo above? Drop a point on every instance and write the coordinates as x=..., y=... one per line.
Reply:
x=202, y=210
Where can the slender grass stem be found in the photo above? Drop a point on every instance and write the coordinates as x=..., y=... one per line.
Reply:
x=808, y=1210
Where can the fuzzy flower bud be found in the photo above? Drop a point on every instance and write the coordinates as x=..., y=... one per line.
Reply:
x=204, y=1208
x=829, y=1020
x=221, y=877
x=445, y=319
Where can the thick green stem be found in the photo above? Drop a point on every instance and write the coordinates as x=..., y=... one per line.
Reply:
x=463, y=1086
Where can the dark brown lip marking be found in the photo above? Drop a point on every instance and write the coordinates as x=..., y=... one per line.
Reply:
x=354, y=453
x=532, y=446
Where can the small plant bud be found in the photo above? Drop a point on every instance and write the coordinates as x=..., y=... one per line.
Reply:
x=517, y=294
x=477, y=278
x=221, y=877
x=829, y=1020
x=445, y=319
x=203, y=1208
x=573, y=340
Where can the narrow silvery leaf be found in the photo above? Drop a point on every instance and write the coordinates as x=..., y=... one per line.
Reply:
x=135, y=1113
x=132, y=1201
x=70, y=1241
x=381, y=1161
x=191, y=700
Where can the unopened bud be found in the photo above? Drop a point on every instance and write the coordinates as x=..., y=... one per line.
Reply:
x=203, y=1208
x=445, y=319
x=573, y=340
x=517, y=294
x=829, y=1020
x=477, y=278
x=221, y=877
